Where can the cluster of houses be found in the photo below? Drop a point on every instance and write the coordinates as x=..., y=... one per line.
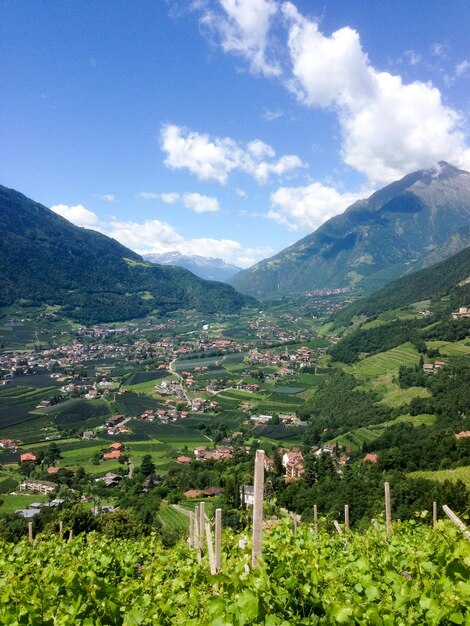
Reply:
x=115, y=450
x=431, y=368
x=462, y=313
x=9, y=445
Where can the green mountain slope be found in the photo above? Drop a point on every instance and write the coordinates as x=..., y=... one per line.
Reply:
x=46, y=259
x=450, y=277
x=408, y=225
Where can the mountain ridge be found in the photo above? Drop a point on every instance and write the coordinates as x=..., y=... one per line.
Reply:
x=209, y=268
x=375, y=240
x=46, y=259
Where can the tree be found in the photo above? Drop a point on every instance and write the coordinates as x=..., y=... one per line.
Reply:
x=148, y=466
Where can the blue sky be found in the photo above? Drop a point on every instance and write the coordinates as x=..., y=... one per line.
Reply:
x=229, y=128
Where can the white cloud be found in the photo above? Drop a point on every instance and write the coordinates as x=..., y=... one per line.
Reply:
x=412, y=57
x=463, y=68
x=158, y=236
x=148, y=195
x=243, y=29
x=168, y=198
x=306, y=208
x=216, y=158
x=269, y=115
x=260, y=150
x=77, y=214
x=106, y=197
x=388, y=127
x=201, y=204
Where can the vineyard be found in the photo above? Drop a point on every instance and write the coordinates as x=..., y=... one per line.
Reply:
x=418, y=576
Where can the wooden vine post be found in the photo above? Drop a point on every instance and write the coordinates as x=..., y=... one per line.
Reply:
x=258, y=508
x=388, y=509
x=210, y=549
x=61, y=529
x=457, y=521
x=218, y=540
x=434, y=513
x=30, y=532
x=346, y=516
x=315, y=518
x=202, y=524
x=191, y=530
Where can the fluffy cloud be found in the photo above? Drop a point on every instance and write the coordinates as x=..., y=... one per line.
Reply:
x=77, y=214
x=308, y=207
x=216, y=158
x=389, y=127
x=158, y=236
x=200, y=203
x=243, y=30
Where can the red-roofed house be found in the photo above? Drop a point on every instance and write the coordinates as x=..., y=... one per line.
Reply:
x=116, y=446
x=28, y=457
x=115, y=454
x=462, y=434
x=371, y=457
x=193, y=493
x=183, y=460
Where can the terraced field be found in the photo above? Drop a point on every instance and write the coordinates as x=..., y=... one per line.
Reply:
x=378, y=364
x=174, y=519
x=459, y=473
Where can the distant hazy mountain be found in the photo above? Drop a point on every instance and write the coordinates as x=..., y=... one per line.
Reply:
x=46, y=259
x=204, y=267
x=410, y=224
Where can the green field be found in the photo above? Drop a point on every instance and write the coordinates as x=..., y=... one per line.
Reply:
x=13, y=503
x=132, y=404
x=458, y=348
x=459, y=473
x=356, y=438
x=174, y=519
x=190, y=364
x=381, y=363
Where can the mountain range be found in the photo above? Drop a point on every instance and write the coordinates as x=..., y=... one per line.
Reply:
x=409, y=224
x=205, y=267
x=44, y=259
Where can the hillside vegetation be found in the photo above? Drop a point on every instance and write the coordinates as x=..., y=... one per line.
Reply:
x=46, y=259
x=409, y=224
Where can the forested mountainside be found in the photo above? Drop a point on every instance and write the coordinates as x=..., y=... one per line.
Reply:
x=93, y=278
x=405, y=226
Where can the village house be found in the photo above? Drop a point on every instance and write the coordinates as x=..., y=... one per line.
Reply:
x=9, y=444
x=28, y=457
x=371, y=457
x=115, y=454
x=38, y=486
x=183, y=460
x=109, y=479
x=293, y=463
x=193, y=493
x=462, y=313
x=247, y=494
x=463, y=434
